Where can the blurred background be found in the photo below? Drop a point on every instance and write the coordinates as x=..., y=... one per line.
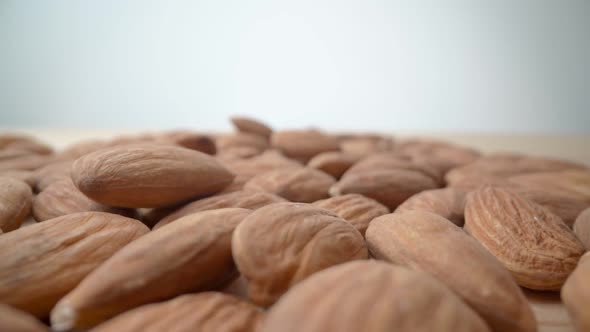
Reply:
x=442, y=66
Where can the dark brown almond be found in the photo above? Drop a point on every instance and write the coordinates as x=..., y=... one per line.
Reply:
x=14, y=320
x=303, y=144
x=446, y=202
x=41, y=263
x=192, y=254
x=251, y=126
x=354, y=208
x=15, y=203
x=281, y=244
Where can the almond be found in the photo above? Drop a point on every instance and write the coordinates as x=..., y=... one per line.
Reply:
x=365, y=145
x=241, y=140
x=267, y=161
x=535, y=245
x=572, y=183
x=148, y=175
x=15, y=203
x=209, y=311
x=26, y=176
x=354, y=208
x=14, y=320
x=281, y=244
x=251, y=126
x=576, y=294
x=389, y=187
x=303, y=184
x=389, y=161
x=239, y=199
x=333, y=163
x=25, y=161
x=371, y=296
x=564, y=206
x=303, y=144
x=428, y=242
x=582, y=228
x=41, y=263
x=190, y=140
x=192, y=254
x=62, y=198
x=447, y=203
x=51, y=173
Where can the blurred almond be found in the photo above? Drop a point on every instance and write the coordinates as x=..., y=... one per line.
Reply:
x=303, y=144
x=582, y=228
x=14, y=320
x=26, y=176
x=573, y=183
x=447, y=203
x=50, y=173
x=190, y=140
x=333, y=163
x=354, y=208
x=241, y=140
x=389, y=161
x=15, y=203
x=251, y=126
x=576, y=294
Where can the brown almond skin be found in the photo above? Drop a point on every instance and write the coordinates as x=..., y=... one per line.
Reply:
x=14, y=320
x=192, y=254
x=15, y=203
x=251, y=126
x=575, y=294
x=27, y=161
x=564, y=206
x=65, y=250
x=391, y=161
x=241, y=140
x=303, y=144
x=354, y=208
x=428, y=242
x=573, y=183
x=371, y=296
x=148, y=175
x=448, y=203
x=27, y=177
x=303, y=184
x=388, y=187
x=267, y=161
x=333, y=163
x=582, y=228
x=62, y=197
x=53, y=172
x=190, y=140
x=208, y=311
x=535, y=245
x=238, y=199
x=281, y=244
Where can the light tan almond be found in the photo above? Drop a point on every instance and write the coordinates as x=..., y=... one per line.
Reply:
x=303, y=184
x=576, y=294
x=354, y=208
x=239, y=199
x=62, y=197
x=24, y=161
x=564, y=206
x=333, y=163
x=365, y=145
x=389, y=187
x=251, y=126
x=428, y=242
x=241, y=140
x=148, y=175
x=192, y=254
x=15, y=203
x=51, y=173
x=14, y=320
x=582, y=228
x=208, y=311
x=440, y=155
x=26, y=176
x=40, y=263
x=371, y=296
x=247, y=168
x=573, y=183
x=390, y=161
x=281, y=244
x=303, y=144
x=446, y=202
x=535, y=245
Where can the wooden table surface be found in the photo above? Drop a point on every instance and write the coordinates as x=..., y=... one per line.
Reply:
x=550, y=312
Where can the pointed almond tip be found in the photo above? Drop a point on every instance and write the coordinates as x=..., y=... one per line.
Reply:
x=62, y=317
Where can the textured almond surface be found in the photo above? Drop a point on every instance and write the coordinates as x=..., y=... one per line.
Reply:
x=239, y=199
x=371, y=296
x=582, y=228
x=14, y=320
x=564, y=206
x=148, y=175
x=389, y=187
x=208, y=311
x=192, y=254
x=303, y=144
x=41, y=263
x=15, y=203
x=252, y=126
x=447, y=203
x=576, y=294
x=354, y=208
x=428, y=242
x=62, y=197
x=535, y=245
x=281, y=244
x=333, y=163
x=303, y=184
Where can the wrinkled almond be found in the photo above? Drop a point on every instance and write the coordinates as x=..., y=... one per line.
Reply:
x=15, y=203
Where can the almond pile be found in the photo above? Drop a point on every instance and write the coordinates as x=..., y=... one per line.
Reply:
x=290, y=230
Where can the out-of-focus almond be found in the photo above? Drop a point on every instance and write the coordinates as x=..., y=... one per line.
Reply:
x=241, y=140
x=14, y=320
x=303, y=184
x=251, y=126
x=15, y=203
x=389, y=187
x=41, y=263
x=389, y=161
x=190, y=140
x=428, y=242
x=564, y=206
x=303, y=144
x=208, y=311
x=267, y=161
x=27, y=161
x=148, y=175
x=447, y=203
x=333, y=163
x=576, y=294
x=573, y=183
x=281, y=244
x=582, y=228
x=26, y=176
x=363, y=146
x=371, y=296
x=535, y=245
x=354, y=208
x=53, y=172
x=192, y=254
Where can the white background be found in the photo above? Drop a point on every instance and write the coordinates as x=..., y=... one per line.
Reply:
x=465, y=66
